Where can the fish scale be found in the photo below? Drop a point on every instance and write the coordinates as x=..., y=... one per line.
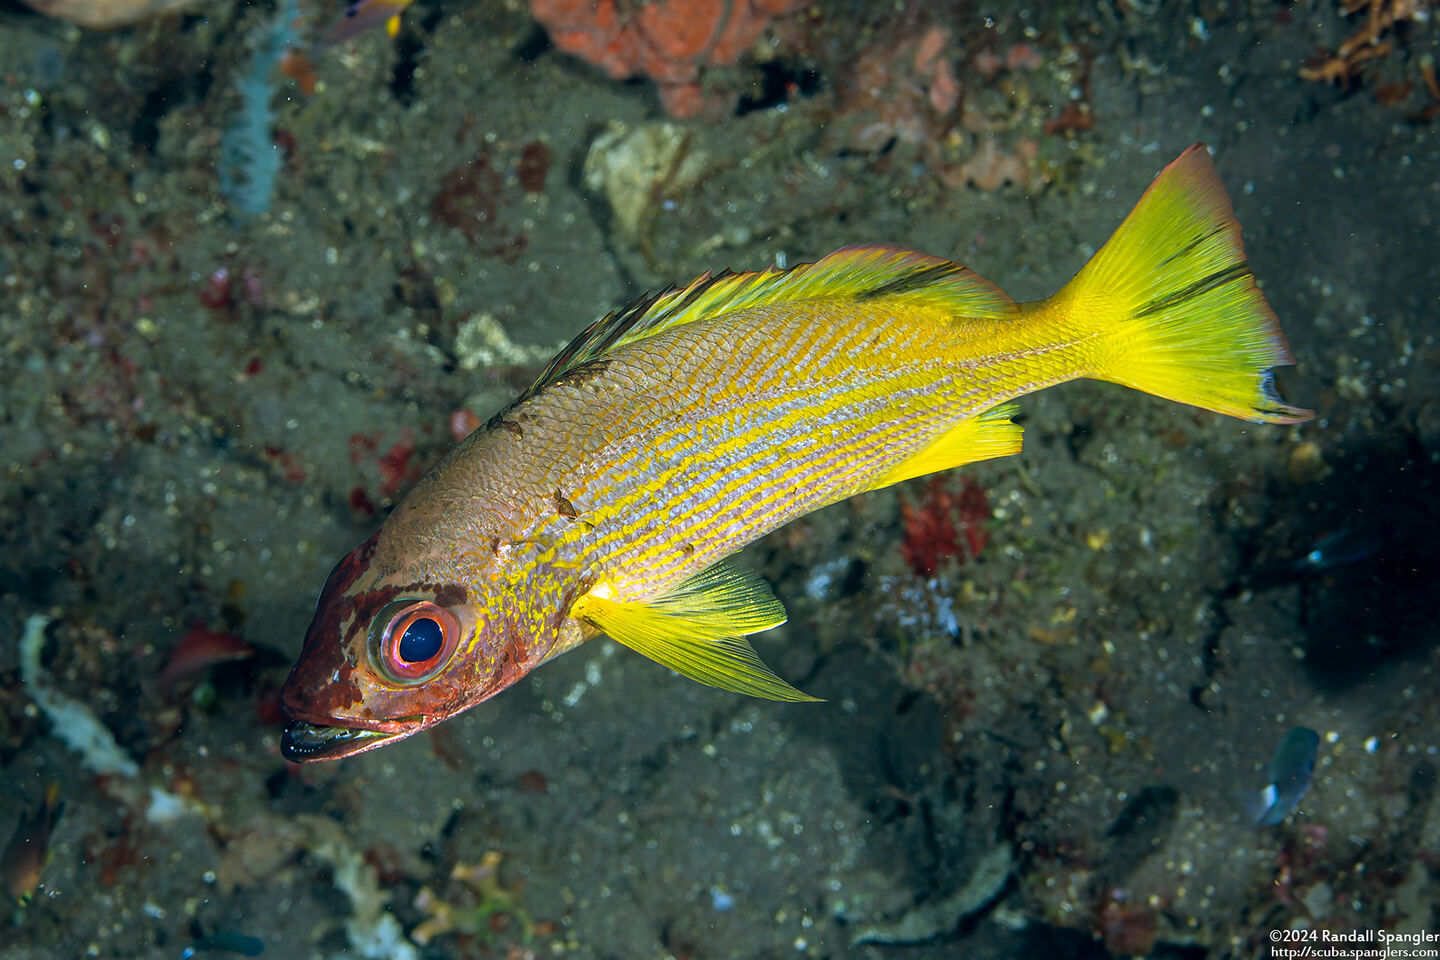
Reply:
x=750, y=433
x=606, y=498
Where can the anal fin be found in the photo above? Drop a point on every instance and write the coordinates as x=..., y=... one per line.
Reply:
x=698, y=629
x=989, y=435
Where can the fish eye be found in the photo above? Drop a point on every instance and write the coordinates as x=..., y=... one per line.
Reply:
x=418, y=640
x=421, y=640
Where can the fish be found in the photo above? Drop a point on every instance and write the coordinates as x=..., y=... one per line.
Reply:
x=1349, y=556
x=23, y=861
x=361, y=16
x=226, y=941
x=198, y=650
x=609, y=496
x=1291, y=767
x=1338, y=549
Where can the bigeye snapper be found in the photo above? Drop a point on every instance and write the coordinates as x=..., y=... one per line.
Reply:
x=672, y=433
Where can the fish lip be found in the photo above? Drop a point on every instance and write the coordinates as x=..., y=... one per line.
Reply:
x=305, y=742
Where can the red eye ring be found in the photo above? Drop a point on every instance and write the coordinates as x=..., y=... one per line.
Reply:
x=419, y=640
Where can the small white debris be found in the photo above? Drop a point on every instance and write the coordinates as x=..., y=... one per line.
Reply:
x=70, y=720
x=165, y=807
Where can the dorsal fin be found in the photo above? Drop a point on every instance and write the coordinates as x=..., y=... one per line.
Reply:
x=864, y=272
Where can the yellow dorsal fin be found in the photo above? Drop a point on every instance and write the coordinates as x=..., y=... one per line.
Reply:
x=985, y=437
x=861, y=272
x=698, y=629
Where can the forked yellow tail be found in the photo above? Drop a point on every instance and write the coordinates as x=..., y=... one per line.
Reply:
x=1175, y=305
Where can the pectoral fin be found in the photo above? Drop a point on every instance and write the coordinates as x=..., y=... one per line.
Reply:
x=698, y=629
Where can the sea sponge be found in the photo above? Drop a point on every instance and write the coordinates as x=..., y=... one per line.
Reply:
x=249, y=158
x=665, y=40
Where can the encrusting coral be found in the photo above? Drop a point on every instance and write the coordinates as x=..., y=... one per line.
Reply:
x=667, y=40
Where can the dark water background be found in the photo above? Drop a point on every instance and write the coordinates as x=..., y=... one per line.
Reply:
x=1033, y=748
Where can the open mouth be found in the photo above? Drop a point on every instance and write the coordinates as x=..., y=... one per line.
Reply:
x=305, y=742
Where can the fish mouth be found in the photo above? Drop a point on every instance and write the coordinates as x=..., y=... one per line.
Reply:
x=305, y=742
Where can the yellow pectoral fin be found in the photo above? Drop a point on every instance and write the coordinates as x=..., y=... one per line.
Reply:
x=698, y=629
x=985, y=437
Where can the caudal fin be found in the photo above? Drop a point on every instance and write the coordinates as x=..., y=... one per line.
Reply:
x=1174, y=305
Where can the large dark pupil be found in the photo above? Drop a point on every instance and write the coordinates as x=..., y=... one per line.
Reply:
x=421, y=641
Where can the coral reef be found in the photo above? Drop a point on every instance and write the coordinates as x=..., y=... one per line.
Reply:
x=974, y=115
x=668, y=41
x=939, y=917
x=1375, y=55
x=944, y=525
x=477, y=906
x=199, y=421
x=107, y=14
x=638, y=170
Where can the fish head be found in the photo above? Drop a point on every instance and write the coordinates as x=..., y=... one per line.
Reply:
x=388, y=654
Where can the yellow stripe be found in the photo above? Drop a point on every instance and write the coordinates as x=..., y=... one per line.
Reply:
x=744, y=451
x=756, y=441
x=846, y=471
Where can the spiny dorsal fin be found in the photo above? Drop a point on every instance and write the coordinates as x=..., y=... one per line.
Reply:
x=698, y=629
x=864, y=272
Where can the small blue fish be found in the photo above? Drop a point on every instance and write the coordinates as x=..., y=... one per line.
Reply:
x=228, y=941
x=1290, y=770
x=1337, y=549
